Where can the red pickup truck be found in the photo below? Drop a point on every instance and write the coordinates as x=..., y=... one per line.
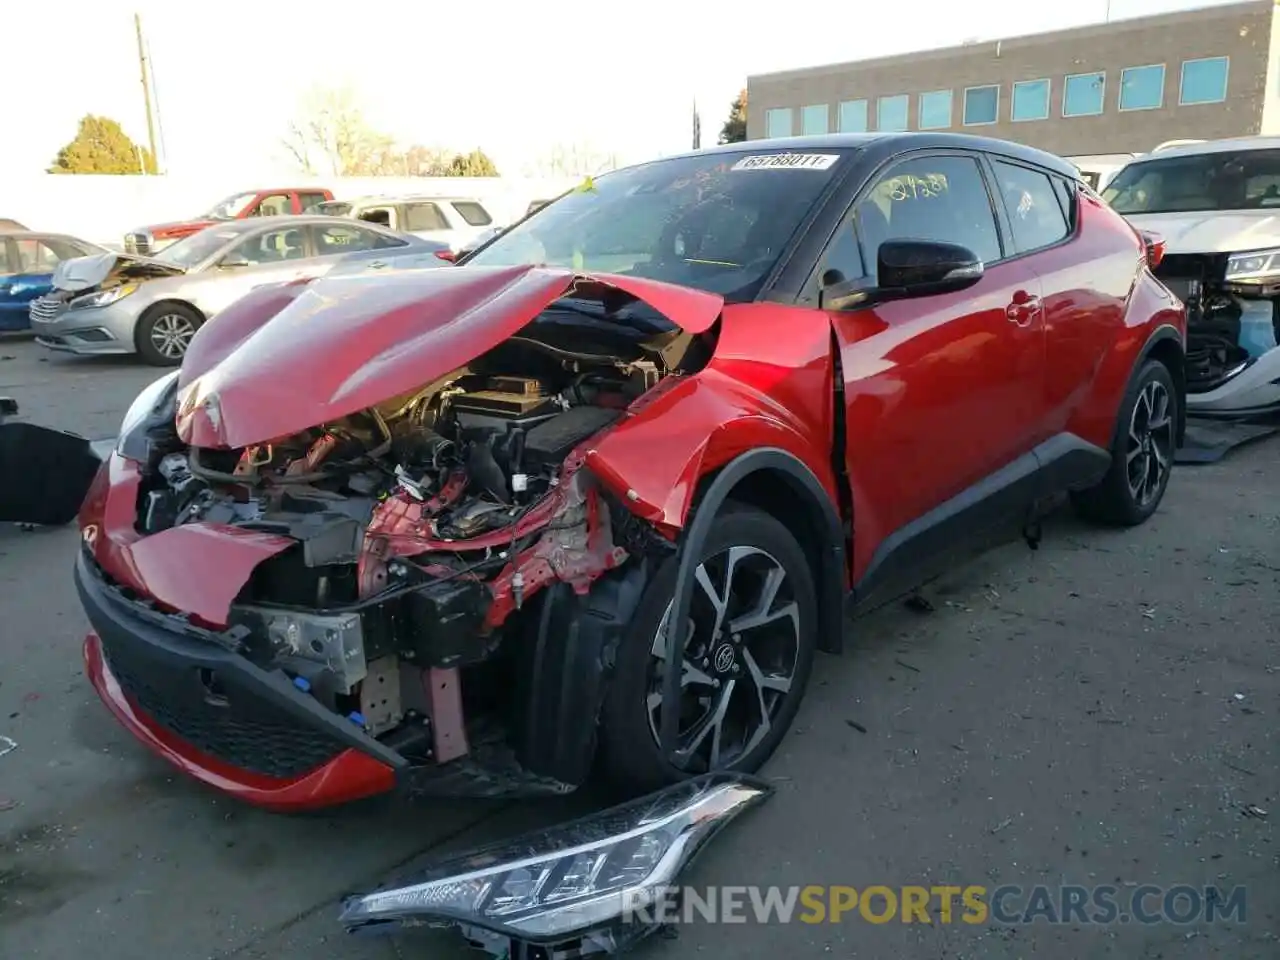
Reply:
x=253, y=203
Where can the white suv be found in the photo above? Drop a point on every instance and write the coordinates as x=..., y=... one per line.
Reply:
x=456, y=221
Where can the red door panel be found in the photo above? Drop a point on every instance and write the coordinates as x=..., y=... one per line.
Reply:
x=941, y=392
x=1087, y=285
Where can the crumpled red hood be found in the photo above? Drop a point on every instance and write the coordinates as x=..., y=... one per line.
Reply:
x=285, y=358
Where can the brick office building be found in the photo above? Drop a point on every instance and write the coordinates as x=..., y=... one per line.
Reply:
x=1118, y=87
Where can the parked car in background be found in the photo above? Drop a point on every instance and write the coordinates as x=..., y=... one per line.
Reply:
x=1097, y=170
x=484, y=236
x=455, y=221
x=593, y=501
x=1216, y=206
x=239, y=206
x=27, y=262
x=122, y=303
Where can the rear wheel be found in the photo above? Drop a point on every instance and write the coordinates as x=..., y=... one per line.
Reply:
x=164, y=332
x=1141, y=454
x=747, y=658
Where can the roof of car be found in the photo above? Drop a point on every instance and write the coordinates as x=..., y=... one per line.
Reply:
x=249, y=224
x=1229, y=145
x=900, y=141
x=406, y=198
x=40, y=235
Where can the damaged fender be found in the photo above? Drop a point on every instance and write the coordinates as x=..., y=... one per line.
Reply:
x=726, y=433
x=595, y=885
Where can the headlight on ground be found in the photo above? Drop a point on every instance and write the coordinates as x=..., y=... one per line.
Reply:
x=1253, y=267
x=572, y=879
x=155, y=406
x=103, y=297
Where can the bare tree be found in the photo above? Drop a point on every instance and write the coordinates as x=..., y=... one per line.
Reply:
x=575, y=160
x=330, y=137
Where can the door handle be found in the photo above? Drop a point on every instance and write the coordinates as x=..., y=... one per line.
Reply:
x=377, y=265
x=1023, y=308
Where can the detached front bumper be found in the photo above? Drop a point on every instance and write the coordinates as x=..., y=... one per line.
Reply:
x=218, y=717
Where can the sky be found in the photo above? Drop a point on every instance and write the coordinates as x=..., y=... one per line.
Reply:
x=514, y=79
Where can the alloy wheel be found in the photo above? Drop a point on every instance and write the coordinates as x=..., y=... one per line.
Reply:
x=171, y=334
x=740, y=658
x=1149, y=454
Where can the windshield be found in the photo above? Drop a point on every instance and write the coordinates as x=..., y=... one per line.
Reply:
x=228, y=209
x=715, y=221
x=1236, y=180
x=332, y=208
x=197, y=248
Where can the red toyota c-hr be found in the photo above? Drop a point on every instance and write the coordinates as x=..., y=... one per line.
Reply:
x=452, y=529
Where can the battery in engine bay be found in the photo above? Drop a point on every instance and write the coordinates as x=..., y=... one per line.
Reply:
x=505, y=397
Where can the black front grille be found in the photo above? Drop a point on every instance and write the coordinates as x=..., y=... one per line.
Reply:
x=243, y=730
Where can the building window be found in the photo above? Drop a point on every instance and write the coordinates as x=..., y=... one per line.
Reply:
x=1030, y=100
x=853, y=116
x=813, y=119
x=1204, y=81
x=981, y=105
x=935, y=110
x=891, y=112
x=1083, y=94
x=1142, y=88
x=777, y=122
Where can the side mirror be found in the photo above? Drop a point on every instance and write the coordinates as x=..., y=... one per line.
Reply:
x=233, y=263
x=904, y=269
x=920, y=268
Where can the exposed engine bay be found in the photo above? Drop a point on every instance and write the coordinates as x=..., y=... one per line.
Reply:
x=422, y=525
x=1229, y=325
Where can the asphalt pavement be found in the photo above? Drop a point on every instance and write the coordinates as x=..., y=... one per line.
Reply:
x=1099, y=711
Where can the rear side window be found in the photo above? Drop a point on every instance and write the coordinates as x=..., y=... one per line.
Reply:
x=41, y=256
x=423, y=216
x=473, y=213
x=1035, y=212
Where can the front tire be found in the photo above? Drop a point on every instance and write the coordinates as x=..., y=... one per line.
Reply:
x=164, y=332
x=748, y=655
x=1141, y=453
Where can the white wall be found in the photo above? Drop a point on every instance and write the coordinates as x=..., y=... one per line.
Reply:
x=103, y=208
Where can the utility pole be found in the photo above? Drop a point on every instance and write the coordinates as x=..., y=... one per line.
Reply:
x=146, y=88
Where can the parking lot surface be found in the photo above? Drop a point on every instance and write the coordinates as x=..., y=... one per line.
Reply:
x=1100, y=711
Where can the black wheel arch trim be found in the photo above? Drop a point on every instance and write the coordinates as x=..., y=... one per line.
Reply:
x=829, y=580
x=1161, y=334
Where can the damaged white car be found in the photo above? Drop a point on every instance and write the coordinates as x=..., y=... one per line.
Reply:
x=1216, y=206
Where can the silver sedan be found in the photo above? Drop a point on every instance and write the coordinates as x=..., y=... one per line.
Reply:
x=119, y=303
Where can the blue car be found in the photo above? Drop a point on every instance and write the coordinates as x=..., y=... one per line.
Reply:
x=27, y=261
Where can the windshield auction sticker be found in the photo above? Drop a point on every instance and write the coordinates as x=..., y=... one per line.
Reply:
x=787, y=161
